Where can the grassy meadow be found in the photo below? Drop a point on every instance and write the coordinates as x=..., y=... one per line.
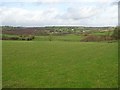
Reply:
x=55, y=64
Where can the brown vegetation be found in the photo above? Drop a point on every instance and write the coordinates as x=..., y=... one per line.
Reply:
x=93, y=38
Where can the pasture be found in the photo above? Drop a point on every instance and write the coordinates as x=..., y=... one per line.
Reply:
x=46, y=64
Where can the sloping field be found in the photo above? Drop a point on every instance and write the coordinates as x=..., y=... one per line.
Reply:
x=48, y=64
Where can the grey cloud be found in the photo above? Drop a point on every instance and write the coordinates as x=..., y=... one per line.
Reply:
x=79, y=13
x=114, y=3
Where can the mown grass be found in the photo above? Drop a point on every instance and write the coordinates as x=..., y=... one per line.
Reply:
x=40, y=64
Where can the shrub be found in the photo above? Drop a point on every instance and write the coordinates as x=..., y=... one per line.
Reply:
x=25, y=37
x=10, y=38
x=14, y=38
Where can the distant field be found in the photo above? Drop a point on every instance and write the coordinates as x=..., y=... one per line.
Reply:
x=63, y=37
x=102, y=33
x=60, y=64
x=70, y=37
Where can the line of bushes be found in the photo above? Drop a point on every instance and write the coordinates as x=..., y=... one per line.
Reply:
x=21, y=37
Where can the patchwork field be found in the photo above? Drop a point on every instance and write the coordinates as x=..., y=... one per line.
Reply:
x=39, y=64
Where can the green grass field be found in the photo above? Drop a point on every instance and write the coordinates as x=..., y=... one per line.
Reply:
x=40, y=64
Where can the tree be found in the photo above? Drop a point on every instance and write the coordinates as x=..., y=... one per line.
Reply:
x=116, y=33
x=50, y=37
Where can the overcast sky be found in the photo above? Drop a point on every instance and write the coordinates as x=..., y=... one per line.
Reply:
x=59, y=12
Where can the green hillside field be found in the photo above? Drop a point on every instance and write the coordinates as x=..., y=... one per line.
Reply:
x=55, y=64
